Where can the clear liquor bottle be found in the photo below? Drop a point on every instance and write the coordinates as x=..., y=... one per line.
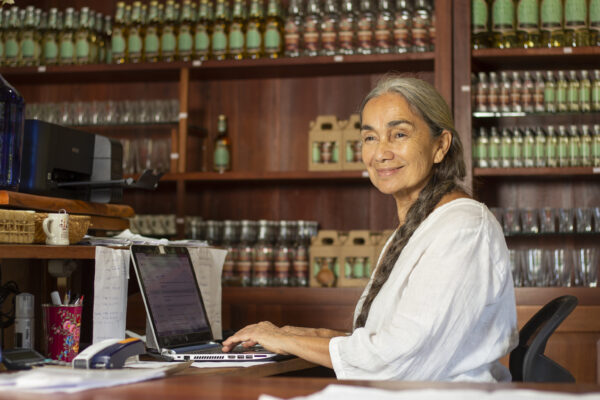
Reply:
x=574, y=147
x=67, y=39
x=222, y=147
x=293, y=29
x=230, y=243
x=237, y=31
x=152, y=36
x=528, y=91
x=365, y=27
x=596, y=146
x=529, y=148
x=595, y=91
x=107, y=31
x=262, y=256
x=312, y=28
x=518, y=148
x=550, y=93
x=27, y=39
x=539, y=151
x=551, y=24
x=185, y=38
x=528, y=24
x=50, y=39
x=12, y=50
x=551, y=147
x=421, y=25
x=506, y=149
x=503, y=24
x=282, y=256
x=245, y=250
x=586, y=146
x=273, y=30
x=504, y=96
x=301, y=255
x=168, y=33
x=516, y=91
x=594, y=22
x=495, y=144
x=82, y=38
x=585, y=91
x=562, y=150
x=482, y=147
x=119, y=36
x=93, y=37
x=493, y=93
x=347, y=28
x=41, y=19
x=479, y=24
x=576, y=30
x=403, y=27
x=220, y=30
x=481, y=96
x=329, y=28
x=561, y=92
x=539, y=89
x=573, y=92
x=384, y=27
x=203, y=31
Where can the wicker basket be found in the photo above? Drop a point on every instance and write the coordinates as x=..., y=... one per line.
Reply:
x=78, y=226
x=17, y=226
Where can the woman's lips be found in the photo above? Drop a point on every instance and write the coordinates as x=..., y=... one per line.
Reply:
x=383, y=172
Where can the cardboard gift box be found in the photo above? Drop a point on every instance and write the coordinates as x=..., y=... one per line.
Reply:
x=351, y=144
x=324, y=144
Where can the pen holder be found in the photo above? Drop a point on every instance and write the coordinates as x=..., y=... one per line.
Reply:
x=62, y=326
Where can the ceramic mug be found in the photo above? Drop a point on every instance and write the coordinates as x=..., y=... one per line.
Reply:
x=56, y=227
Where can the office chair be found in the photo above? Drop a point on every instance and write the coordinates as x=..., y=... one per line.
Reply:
x=527, y=361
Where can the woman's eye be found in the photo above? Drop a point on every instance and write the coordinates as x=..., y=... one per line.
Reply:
x=399, y=135
x=368, y=138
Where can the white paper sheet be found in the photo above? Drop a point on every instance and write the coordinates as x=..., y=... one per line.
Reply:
x=228, y=364
x=336, y=392
x=110, y=293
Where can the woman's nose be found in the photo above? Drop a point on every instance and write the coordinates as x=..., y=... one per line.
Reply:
x=383, y=152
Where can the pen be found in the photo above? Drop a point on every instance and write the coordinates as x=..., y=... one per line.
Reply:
x=55, y=298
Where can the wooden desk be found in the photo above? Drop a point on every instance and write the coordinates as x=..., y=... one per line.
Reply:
x=257, y=371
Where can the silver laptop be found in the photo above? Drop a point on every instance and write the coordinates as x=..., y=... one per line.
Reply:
x=175, y=308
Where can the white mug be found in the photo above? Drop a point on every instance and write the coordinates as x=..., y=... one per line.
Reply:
x=56, y=227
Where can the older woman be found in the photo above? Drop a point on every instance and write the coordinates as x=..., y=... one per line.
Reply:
x=440, y=304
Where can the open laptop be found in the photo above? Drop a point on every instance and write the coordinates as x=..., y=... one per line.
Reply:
x=175, y=309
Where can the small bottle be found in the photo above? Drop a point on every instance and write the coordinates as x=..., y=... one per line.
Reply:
x=574, y=147
x=494, y=148
x=586, y=146
x=561, y=92
x=506, y=149
x=282, y=256
x=222, y=147
x=262, y=259
x=551, y=147
x=245, y=250
x=366, y=27
x=152, y=37
x=107, y=31
x=168, y=35
x=27, y=39
x=516, y=90
x=517, y=149
x=24, y=321
x=528, y=29
x=312, y=29
x=293, y=29
x=230, y=243
x=527, y=93
x=12, y=50
x=504, y=96
x=594, y=23
x=481, y=96
x=384, y=28
x=93, y=37
x=551, y=24
x=301, y=255
x=538, y=96
x=596, y=146
x=576, y=31
x=118, y=35
x=237, y=31
x=494, y=93
x=50, y=39
x=402, y=27
x=479, y=24
x=528, y=148
x=135, y=34
x=550, y=93
x=41, y=20
x=503, y=24
x=562, y=153
x=203, y=31
x=595, y=91
x=273, y=30
x=185, y=38
x=66, y=39
x=421, y=25
x=329, y=29
x=585, y=90
x=482, y=146
x=539, y=152
x=347, y=28
x=573, y=92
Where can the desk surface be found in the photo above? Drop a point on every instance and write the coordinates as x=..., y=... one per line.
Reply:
x=240, y=388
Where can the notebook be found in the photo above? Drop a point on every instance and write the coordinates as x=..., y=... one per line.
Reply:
x=175, y=308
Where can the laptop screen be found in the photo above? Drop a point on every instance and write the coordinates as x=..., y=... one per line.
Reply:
x=171, y=295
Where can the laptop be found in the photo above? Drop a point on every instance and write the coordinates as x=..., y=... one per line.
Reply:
x=175, y=308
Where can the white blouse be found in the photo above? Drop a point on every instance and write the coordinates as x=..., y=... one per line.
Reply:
x=447, y=311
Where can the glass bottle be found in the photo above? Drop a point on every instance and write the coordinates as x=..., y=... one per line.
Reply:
x=237, y=31
x=220, y=30
x=516, y=90
x=273, y=30
x=203, y=31
x=50, y=39
x=504, y=96
x=562, y=150
x=528, y=91
x=293, y=29
x=66, y=39
x=550, y=93
x=119, y=35
x=596, y=146
x=576, y=31
x=551, y=23
x=517, y=149
x=561, y=92
x=384, y=28
x=185, y=39
x=168, y=38
x=230, y=243
x=222, y=147
x=503, y=24
x=329, y=29
x=27, y=39
x=481, y=98
x=41, y=20
x=347, y=28
x=506, y=149
x=586, y=146
x=365, y=27
x=495, y=144
x=301, y=255
x=93, y=37
x=482, y=145
x=11, y=135
x=585, y=89
x=574, y=147
x=528, y=28
x=243, y=263
x=282, y=256
x=594, y=22
x=493, y=93
x=595, y=92
x=573, y=92
x=82, y=38
x=528, y=148
x=551, y=147
x=312, y=29
x=152, y=38
x=12, y=50
x=479, y=24
x=255, y=28
x=539, y=89
x=539, y=151
x=402, y=27
x=421, y=24
x=262, y=259
x=108, y=38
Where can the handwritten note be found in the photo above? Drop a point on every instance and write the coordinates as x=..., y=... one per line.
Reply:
x=110, y=293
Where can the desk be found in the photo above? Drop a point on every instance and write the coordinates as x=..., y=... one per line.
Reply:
x=257, y=371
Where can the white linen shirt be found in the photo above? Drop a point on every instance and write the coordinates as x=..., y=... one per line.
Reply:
x=447, y=311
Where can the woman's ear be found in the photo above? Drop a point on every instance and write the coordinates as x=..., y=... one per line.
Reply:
x=443, y=145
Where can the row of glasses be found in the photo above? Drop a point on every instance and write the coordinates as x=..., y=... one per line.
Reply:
x=555, y=267
x=153, y=224
x=111, y=112
x=548, y=220
x=146, y=153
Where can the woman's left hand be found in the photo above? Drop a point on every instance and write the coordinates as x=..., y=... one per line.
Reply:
x=264, y=333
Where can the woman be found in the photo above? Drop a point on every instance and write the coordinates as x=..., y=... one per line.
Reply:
x=440, y=304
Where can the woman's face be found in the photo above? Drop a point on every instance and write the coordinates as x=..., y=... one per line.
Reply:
x=397, y=147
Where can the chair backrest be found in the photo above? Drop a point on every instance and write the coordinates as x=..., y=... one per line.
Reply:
x=528, y=362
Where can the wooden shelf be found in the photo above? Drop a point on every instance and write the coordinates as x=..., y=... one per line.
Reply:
x=555, y=58
x=537, y=172
x=25, y=251
x=266, y=176
x=483, y=115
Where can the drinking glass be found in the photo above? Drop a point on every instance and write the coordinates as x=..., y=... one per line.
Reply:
x=535, y=274
x=583, y=217
x=158, y=111
x=64, y=116
x=586, y=267
x=558, y=267
x=96, y=113
x=529, y=220
x=547, y=220
x=110, y=113
x=143, y=151
x=514, y=257
x=173, y=110
x=160, y=154
x=511, y=221
x=596, y=214
x=565, y=220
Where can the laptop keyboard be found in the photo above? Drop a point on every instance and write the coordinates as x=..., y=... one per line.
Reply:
x=219, y=349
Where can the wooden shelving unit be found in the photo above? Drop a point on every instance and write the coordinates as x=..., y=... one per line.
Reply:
x=537, y=172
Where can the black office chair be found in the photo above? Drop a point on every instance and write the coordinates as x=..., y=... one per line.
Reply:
x=527, y=362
